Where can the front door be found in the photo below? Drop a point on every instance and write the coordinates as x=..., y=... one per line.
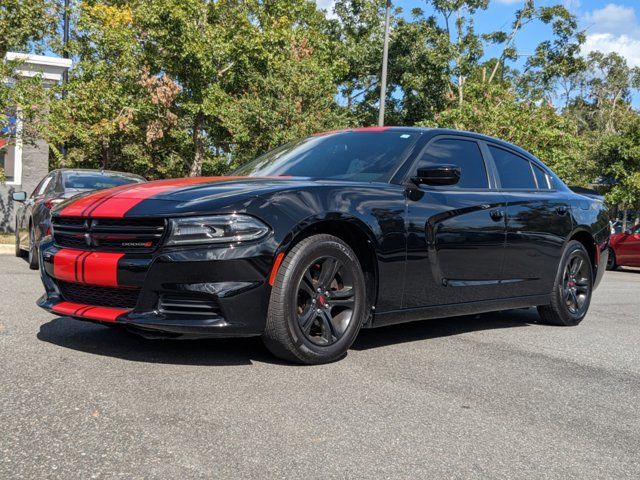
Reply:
x=455, y=234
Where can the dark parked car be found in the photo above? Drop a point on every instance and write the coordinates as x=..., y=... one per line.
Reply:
x=33, y=216
x=624, y=249
x=325, y=235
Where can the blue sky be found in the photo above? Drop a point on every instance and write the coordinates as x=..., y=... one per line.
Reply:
x=610, y=25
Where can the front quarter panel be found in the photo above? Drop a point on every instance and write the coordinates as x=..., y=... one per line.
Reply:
x=376, y=209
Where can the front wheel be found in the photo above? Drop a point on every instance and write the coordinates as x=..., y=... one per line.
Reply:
x=19, y=252
x=318, y=302
x=572, y=289
x=33, y=250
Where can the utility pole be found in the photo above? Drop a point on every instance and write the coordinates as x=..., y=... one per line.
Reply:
x=65, y=75
x=383, y=76
x=65, y=42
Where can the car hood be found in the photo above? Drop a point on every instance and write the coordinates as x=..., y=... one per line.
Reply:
x=128, y=199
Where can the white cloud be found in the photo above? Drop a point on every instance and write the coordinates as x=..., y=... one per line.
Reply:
x=623, y=45
x=612, y=18
x=509, y=2
x=614, y=28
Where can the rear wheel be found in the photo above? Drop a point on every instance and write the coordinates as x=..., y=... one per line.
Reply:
x=33, y=250
x=318, y=302
x=572, y=290
x=612, y=264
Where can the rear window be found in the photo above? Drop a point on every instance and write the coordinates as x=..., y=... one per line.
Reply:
x=96, y=181
x=541, y=177
x=513, y=170
x=357, y=156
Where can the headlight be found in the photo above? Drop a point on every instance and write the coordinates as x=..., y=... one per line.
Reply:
x=215, y=229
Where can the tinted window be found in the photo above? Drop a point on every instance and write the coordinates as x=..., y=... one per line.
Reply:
x=514, y=171
x=358, y=156
x=541, y=177
x=462, y=153
x=95, y=181
x=40, y=189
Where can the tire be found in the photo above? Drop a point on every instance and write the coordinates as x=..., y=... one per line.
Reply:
x=612, y=264
x=315, y=314
x=19, y=252
x=575, y=274
x=32, y=257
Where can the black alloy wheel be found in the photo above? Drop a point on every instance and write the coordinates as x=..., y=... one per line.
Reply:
x=572, y=289
x=576, y=283
x=325, y=301
x=318, y=302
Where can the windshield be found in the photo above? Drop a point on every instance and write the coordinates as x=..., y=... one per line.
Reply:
x=96, y=180
x=350, y=155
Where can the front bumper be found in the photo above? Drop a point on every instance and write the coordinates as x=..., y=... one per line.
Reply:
x=187, y=292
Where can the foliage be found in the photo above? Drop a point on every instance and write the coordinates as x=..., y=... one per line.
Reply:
x=494, y=110
x=619, y=158
x=26, y=24
x=183, y=87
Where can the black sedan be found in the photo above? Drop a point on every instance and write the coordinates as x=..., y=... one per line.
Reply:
x=327, y=235
x=33, y=216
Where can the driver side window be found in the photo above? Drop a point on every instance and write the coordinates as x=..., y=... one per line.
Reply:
x=465, y=154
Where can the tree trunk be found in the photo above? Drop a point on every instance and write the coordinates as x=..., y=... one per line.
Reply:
x=198, y=146
x=625, y=218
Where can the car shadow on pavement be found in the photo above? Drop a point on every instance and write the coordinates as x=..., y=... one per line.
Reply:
x=117, y=342
x=444, y=327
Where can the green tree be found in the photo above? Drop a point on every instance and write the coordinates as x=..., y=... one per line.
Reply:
x=495, y=110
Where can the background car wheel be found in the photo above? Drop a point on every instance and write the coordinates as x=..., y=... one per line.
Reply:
x=611, y=261
x=318, y=302
x=33, y=250
x=572, y=289
x=19, y=252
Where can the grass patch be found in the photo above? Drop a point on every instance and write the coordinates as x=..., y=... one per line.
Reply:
x=7, y=238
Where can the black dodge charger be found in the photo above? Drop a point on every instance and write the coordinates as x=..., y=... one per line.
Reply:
x=326, y=235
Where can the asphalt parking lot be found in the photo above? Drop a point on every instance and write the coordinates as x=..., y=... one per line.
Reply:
x=495, y=396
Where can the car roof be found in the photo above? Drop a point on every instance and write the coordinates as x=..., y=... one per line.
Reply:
x=437, y=131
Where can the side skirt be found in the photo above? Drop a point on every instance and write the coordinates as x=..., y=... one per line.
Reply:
x=455, y=310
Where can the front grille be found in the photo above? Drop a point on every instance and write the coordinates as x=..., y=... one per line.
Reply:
x=99, y=296
x=108, y=234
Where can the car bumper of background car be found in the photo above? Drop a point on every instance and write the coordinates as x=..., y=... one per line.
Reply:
x=186, y=293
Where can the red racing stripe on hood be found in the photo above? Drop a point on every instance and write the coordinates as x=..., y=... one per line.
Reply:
x=92, y=268
x=116, y=202
x=102, y=314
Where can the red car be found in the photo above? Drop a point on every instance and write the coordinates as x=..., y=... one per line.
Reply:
x=624, y=249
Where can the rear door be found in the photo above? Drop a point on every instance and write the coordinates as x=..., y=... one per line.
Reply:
x=538, y=222
x=455, y=234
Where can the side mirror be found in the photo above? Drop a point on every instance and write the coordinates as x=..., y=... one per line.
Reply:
x=438, y=175
x=19, y=196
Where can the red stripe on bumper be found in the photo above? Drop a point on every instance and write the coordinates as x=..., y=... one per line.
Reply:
x=102, y=314
x=93, y=268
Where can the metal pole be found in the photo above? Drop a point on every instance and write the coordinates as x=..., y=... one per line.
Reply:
x=383, y=76
x=65, y=42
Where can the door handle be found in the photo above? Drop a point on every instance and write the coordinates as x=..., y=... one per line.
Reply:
x=561, y=209
x=496, y=215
